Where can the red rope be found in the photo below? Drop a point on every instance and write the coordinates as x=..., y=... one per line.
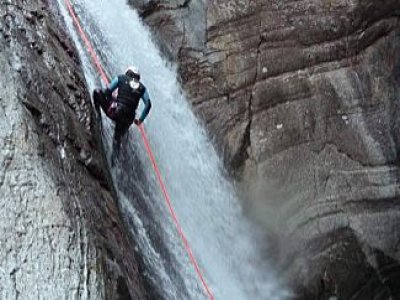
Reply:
x=173, y=214
x=149, y=152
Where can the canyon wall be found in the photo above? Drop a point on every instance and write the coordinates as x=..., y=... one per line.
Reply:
x=61, y=236
x=302, y=100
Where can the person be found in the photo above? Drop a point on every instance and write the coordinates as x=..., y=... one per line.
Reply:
x=122, y=109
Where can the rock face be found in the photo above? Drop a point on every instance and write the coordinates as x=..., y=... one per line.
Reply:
x=302, y=98
x=61, y=236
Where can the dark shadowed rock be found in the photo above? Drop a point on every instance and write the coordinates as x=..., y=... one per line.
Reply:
x=302, y=98
x=61, y=235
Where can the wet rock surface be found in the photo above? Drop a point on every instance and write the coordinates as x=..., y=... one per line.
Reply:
x=61, y=235
x=302, y=99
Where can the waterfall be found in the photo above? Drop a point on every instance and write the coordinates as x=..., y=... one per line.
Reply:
x=224, y=243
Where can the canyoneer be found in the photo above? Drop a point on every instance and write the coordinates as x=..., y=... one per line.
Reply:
x=122, y=107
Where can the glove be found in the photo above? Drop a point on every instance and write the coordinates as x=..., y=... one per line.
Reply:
x=137, y=122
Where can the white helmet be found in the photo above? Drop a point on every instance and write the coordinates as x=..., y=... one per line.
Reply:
x=133, y=72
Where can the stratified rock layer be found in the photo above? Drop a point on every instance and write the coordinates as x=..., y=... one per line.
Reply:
x=302, y=98
x=60, y=232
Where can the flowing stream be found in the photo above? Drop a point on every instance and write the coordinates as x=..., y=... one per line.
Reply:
x=223, y=242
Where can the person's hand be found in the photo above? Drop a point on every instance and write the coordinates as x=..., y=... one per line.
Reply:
x=137, y=122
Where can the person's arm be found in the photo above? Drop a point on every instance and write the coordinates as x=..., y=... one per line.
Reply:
x=113, y=85
x=147, y=106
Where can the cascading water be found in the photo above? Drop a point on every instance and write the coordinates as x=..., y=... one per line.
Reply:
x=205, y=201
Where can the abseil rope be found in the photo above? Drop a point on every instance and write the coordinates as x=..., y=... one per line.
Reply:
x=149, y=152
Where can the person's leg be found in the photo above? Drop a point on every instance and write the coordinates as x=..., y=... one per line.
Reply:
x=120, y=131
x=100, y=99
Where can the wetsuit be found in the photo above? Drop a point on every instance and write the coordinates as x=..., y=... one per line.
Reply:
x=122, y=109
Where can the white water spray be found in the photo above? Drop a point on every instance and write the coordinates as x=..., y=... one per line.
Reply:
x=205, y=202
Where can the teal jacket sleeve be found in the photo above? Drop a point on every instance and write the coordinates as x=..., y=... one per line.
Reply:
x=147, y=105
x=113, y=85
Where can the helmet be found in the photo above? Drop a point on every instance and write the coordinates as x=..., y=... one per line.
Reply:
x=133, y=72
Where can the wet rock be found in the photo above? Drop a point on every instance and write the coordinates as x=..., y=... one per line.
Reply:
x=301, y=98
x=60, y=221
